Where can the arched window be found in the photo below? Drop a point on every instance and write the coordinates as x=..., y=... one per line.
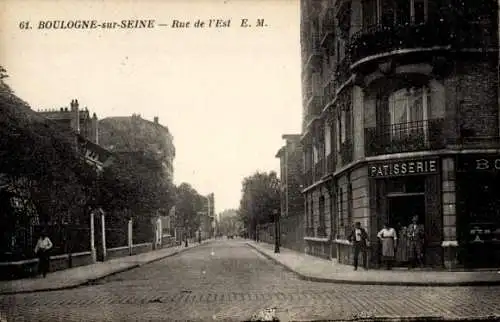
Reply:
x=409, y=111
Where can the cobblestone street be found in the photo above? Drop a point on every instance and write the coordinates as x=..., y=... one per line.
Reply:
x=229, y=280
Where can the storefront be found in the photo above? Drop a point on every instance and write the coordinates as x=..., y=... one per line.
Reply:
x=402, y=189
x=478, y=210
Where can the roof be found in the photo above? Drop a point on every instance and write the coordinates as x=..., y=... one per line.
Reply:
x=136, y=118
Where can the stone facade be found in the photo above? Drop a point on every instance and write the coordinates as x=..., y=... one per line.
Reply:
x=292, y=200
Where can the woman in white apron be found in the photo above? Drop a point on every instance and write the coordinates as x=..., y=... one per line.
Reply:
x=388, y=238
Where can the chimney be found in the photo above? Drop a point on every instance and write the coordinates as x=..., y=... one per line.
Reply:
x=75, y=118
x=156, y=119
x=94, y=136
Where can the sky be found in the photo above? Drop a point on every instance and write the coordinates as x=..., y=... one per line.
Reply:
x=226, y=94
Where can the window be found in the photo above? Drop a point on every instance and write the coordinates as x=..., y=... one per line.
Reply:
x=311, y=215
x=328, y=138
x=322, y=213
x=315, y=154
x=419, y=14
x=307, y=214
x=370, y=17
x=408, y=112
x=350, y=205
x=342, y=128
x=341, y=209
x=389, y=12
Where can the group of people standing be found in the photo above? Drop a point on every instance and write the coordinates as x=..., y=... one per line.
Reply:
x=405, y=246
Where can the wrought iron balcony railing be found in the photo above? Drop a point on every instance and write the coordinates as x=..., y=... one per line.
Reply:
x=405, y=137
x=342, y=71
x=380, y=39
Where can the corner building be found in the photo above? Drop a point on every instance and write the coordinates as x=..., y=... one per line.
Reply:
x=401, y=117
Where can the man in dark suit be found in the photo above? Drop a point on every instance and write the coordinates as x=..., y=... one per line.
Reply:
x=359, y=239
x=416, y=235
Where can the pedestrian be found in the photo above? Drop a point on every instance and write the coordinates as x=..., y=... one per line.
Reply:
x=388, y=238
x=42, y=250
x=402, y=248
x=415, y=233
x=359, y=239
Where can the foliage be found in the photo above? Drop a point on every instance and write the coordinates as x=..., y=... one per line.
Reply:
x=260, y=200
x=229, y=223
x=40, y=161
x=136, y=182
x=188, y=204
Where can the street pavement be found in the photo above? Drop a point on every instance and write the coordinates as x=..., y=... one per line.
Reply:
x=229, y=280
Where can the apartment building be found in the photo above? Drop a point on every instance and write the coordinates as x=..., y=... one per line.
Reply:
x=401, y=118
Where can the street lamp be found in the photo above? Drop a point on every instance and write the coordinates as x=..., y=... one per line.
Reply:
x=276, y=231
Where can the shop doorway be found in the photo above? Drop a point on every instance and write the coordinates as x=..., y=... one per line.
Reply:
x=401, y=208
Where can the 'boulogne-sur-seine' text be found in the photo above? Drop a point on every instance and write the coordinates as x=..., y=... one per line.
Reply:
x=140, y=24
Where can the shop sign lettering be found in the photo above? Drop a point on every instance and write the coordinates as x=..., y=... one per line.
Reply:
x=403, y=168
x=478, y=163
x=484, y=164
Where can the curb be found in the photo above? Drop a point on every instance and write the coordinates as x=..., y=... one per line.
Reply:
x=91, y=281
x=357, y=282
x=425, y=318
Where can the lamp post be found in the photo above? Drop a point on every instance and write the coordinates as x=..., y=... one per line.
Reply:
x=276, y=231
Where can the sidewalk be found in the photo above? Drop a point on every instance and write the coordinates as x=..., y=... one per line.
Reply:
x=74, y=277
x=316, y=269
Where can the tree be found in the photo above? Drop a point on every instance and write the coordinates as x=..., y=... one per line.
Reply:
x=41, y=161
x=260, y=199
x=136, y=182
x=189, y=203
x=229, y=222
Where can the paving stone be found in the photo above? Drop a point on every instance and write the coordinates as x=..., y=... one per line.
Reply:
x=228, y=280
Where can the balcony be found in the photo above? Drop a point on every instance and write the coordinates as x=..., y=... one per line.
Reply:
x=314, y=58
x=342, y=72
x=328, y=27
x=405, y=137
x=380, y=39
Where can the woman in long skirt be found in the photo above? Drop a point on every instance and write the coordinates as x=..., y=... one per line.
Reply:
x=402, y=247
x=388, y=238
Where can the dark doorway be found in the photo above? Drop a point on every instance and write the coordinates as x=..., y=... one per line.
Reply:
x=402, y=207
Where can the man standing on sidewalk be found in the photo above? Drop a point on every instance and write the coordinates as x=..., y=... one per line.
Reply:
x=359, y=238
x=42, y=251
x=416, y=243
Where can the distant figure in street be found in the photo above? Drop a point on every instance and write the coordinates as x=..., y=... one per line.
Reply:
x=388, y=237
x=415, y=233
x=42, y=249
x=359, y=238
